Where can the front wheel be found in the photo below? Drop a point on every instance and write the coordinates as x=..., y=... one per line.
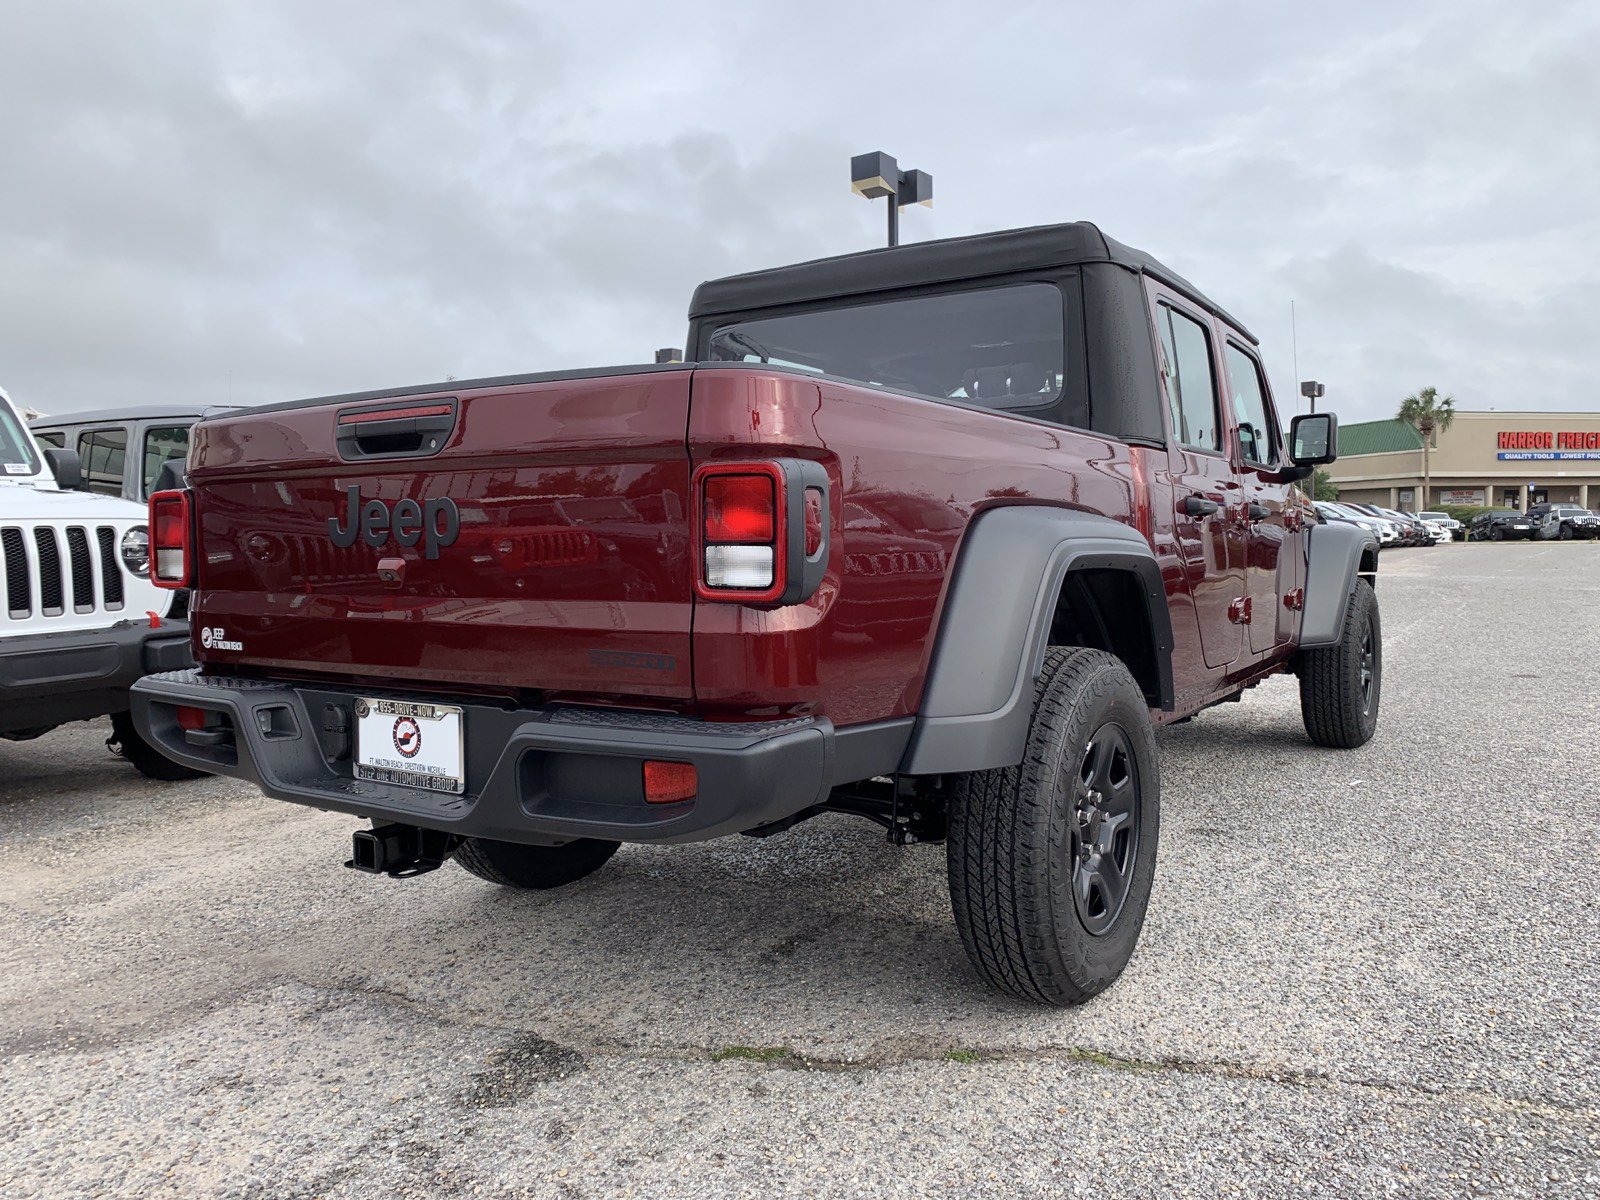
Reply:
x=1340, y=685
x=1496, y=534
x=1566, y=533
x=1051, y=861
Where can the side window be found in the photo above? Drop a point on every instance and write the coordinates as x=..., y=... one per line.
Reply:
x=1191, y=381
x=103, y=452
x=162, y=442
x=1258, y=434
x=55, y=438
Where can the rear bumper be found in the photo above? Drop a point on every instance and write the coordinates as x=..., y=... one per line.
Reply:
x=532, y=775
x=50, y=678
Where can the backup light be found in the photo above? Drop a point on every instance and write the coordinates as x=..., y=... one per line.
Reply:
x=739, y=567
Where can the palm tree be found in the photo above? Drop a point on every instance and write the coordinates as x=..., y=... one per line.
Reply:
x=1428, y=413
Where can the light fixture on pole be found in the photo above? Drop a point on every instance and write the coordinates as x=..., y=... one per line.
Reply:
x=878, y=174
x=1312, y=391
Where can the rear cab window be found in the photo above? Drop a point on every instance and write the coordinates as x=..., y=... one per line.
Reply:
x=1001, y=347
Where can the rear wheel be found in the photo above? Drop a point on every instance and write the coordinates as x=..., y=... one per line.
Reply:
x=536, y=868
x=146, y=759
x=1340, y=686
x=1566, y=533
x=1051, y=861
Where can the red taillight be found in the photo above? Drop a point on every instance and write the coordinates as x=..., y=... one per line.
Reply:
x=740, y=508
x=762, y=531
x=190, y=717
x=669, y=782
x=740, y=518
x=170, y=555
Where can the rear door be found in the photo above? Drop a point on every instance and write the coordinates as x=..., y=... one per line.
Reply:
x=547, y=528
x=1273, y=566
x=1205, y=492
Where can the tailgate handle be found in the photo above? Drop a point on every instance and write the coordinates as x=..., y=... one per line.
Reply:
x=395, y=431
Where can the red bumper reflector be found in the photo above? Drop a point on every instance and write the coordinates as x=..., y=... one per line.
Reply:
x=190, y=717
x=668, y=782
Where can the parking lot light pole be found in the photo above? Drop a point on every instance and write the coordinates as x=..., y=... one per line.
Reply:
x=1312, y=391
x=878, y=174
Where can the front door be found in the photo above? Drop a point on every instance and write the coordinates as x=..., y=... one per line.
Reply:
x=1273, y=568
x=1205, y=492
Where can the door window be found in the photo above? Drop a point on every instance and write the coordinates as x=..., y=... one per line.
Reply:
x=103, y=452
x=162, y=442
x=54, y=438
x=1258, y=433
x=1191, y=381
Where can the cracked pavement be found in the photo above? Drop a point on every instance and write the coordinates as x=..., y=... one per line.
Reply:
x=1365, y=973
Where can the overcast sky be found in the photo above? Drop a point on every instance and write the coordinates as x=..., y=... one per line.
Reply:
x=201, y=200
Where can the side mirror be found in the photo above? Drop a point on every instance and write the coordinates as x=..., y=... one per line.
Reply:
x=1313, y=439
x=65, y=466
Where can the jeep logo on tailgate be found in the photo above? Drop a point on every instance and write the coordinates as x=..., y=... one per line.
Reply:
x=434, y=523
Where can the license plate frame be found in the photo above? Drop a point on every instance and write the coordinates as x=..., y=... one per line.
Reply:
x=387, y=728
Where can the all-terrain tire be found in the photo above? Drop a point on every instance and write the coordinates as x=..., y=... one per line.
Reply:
x=1566, y=533
x=1018, y=838
x=536, y=868
x=1341, y=685
x=1496, y=534
x=144, y=757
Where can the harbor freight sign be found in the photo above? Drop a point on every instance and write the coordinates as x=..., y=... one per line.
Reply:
x=1549, y=445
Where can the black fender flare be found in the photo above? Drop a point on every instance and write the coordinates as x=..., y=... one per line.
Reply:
x=1334, y=554
x=978, y=699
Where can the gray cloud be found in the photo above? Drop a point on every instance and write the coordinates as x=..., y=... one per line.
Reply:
x=293, y=198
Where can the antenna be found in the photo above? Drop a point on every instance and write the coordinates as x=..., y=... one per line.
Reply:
x=1294, y=341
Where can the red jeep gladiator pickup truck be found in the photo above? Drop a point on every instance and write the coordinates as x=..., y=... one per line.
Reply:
x=934, y=535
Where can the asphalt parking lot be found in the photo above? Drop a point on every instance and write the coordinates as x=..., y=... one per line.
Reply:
x=1364, y=974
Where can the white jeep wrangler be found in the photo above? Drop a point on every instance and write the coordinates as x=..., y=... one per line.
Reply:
x=82, y=620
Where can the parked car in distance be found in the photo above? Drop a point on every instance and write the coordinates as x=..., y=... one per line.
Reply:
x=1564, y=521
x=1500, y=524
x=1456, y=529
x=1338, y=514
x=157, y=432
x=1411, y=531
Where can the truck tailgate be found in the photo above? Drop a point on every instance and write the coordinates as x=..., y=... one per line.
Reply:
x=568, y=569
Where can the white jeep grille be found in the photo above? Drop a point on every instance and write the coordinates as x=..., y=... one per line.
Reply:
x=50, y=572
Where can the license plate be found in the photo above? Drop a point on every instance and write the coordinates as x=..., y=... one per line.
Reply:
x=411, y=744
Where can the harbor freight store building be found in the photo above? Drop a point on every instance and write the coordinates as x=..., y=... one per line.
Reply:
x=1493, y=459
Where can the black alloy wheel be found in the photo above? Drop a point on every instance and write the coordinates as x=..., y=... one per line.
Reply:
x=1105, y=834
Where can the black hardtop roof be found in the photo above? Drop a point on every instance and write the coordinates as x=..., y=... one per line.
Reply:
x=943, y=261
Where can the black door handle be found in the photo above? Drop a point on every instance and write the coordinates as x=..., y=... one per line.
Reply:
x=1199, y=506
x=1259, y=512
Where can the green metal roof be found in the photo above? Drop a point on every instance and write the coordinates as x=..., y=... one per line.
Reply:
x=1377, y=437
